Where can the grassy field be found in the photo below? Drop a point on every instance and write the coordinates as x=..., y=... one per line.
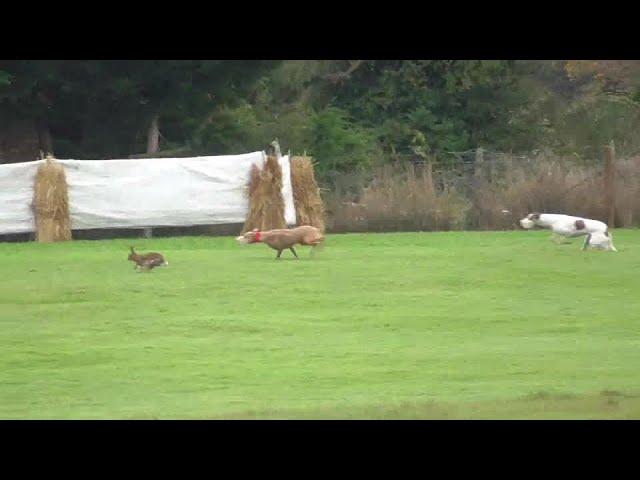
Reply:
x=411, y=325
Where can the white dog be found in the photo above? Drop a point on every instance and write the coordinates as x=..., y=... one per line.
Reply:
x=597, y=232
x=601, y=240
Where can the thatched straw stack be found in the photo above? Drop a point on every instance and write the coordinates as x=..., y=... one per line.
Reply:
x=266, y=205
x=306, y=194
x=51, y=203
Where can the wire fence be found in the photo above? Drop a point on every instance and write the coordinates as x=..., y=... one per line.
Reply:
x=467, y=190
x=481, y=189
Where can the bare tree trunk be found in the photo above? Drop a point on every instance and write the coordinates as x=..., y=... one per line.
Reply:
x=44, y=138
x=153, y=146
x=153, y=135
x=610, y=183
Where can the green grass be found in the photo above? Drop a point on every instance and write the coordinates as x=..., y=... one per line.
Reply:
x=411, y=325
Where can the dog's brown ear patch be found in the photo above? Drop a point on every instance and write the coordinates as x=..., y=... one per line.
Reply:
x=535, y=216
x=580, y=225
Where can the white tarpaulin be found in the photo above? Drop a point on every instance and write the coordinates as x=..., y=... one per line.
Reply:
x=16, y=197
x=287, y=191
x=142, y=192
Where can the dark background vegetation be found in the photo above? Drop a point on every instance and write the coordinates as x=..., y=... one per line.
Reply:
x=355, y=117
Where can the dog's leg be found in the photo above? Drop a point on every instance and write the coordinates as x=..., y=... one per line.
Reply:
x=279, y=253
x=586, y=242
x=294, y=252
x=317, y=246
x=559, y=239
x=566, y=240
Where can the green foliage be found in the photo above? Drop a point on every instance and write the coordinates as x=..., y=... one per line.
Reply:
x=436, y=105
x=338, y=144
x=577, y=114
x=590, y=125
x=5, y=79
x=102, y=108
x=348, y=114
x=229, y=130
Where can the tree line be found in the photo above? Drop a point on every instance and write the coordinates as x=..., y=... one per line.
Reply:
x=348, y=114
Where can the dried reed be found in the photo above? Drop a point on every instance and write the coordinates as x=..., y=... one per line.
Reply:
x=51, y=203
x=266, y=204
x=306, y=194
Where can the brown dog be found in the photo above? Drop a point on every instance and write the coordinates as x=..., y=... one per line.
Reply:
x=281, y=239
x=147, y=261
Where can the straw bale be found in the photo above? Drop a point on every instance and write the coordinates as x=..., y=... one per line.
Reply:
x=266, y=204
x=306, y=194
x=51, y=203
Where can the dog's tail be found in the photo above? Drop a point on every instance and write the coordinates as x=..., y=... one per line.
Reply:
x=318, y=245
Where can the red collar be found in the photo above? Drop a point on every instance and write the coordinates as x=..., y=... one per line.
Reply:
x=258, y=237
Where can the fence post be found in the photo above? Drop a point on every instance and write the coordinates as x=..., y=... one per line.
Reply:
x=479, y=176
x=428, y=176
x=610, y=183
x=479, y=161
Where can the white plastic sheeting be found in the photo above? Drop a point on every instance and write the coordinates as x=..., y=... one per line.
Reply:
x=142, y=192
x=287, y=191
x=16, y=197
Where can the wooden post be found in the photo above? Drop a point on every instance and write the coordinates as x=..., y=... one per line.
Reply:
x=610, y=183
x=479, y=174
x=427, y=176
x=476, y=182
x=479, y=154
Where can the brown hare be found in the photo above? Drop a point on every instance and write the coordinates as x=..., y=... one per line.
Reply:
x=146, y=261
